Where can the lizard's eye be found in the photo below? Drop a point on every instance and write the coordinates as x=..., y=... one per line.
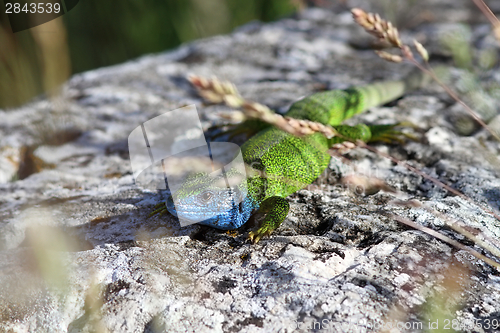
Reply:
x=205, y=196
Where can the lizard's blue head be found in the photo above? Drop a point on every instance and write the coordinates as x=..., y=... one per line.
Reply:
x=212, y=201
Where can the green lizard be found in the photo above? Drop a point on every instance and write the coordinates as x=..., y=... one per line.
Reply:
x=279, y=164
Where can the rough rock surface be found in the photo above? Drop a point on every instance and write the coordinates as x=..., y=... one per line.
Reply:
x=78, y=253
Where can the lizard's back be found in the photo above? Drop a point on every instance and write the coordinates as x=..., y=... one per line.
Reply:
x=290, y=163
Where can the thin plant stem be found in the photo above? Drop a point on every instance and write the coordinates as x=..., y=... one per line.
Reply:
x=446, y=239
x=426, y=176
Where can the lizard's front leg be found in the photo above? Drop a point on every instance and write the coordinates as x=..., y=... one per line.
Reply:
x=276, y=210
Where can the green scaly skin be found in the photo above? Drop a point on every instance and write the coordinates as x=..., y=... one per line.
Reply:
x=279, y=164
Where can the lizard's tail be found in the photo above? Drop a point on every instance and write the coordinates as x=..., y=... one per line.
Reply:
x=334, y=106
x=383, y=92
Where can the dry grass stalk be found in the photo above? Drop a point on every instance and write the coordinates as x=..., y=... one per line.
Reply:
x=490, y=16
x=386, y=32
x=426, y=176
x=446, y=239
x=217, y=91
x=375, y=25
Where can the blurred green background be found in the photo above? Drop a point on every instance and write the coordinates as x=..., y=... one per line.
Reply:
x=103, y=33
x=98, y=33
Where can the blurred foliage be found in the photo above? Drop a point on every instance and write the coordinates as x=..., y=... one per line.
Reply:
x=472, y=77
x=100, y=34
x=19, y=70
x=105, y=33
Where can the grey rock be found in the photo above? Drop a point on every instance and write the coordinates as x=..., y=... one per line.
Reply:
x=78, y=253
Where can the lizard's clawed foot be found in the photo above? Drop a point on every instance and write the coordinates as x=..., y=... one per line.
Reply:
x=276, y=209
x=263, y=231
